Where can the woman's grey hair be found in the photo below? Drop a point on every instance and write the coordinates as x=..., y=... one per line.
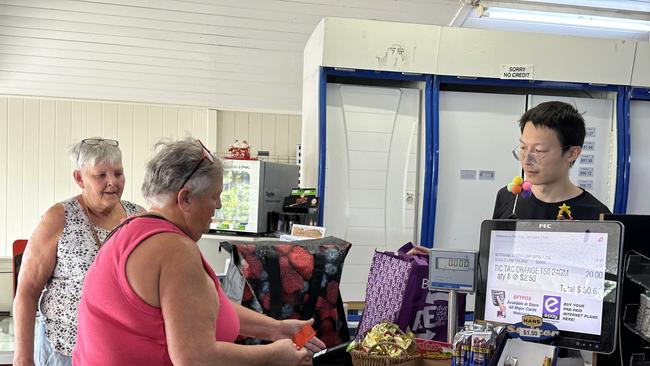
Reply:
x=172, y=164
x=85, y=155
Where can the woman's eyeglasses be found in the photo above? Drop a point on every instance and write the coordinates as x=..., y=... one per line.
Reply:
x=207, y=155
x=95, y=142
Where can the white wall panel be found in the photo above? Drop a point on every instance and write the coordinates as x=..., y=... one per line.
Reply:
x=140, y=150
x=279, y=134
x=125, y=136
x=46, y=155
x=170, y=122
x=239, y=55
x=29, y=159
x=255, y=131
x=62, y=164
x=638, y=199
x=14, y=189
x=109, y=125
x=462, y=204
x=36, y=134
x=213, y=139
x=5, y=248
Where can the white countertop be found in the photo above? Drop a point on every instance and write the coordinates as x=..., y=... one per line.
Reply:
x=224, y=237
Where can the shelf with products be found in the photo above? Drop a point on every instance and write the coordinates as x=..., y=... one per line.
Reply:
x=630, y=315
x=636, y=316
x=638, y=269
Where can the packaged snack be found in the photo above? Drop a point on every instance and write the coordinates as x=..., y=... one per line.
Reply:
x=434, y=350
x=467, y=347
x=481, y=349
x=384, y=344
x=457, y=349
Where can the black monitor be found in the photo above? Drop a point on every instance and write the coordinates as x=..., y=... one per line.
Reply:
x=566, y=272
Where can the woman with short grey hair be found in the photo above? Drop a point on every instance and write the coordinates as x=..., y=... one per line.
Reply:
x=167, y=173
x=151, y=279
x=60, y=251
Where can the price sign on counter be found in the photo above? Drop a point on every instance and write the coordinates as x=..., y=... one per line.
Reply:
x=452, y=270
x=559, y=277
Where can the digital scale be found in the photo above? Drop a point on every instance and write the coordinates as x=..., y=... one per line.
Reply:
x=453, y=271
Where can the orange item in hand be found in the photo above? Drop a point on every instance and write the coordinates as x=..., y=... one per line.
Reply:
x=304, y=335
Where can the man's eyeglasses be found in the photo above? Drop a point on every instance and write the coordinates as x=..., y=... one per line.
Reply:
x=534, y=157
x=207, y=155
x=95, y=142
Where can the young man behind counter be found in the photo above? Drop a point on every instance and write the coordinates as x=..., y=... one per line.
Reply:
x=552, y=135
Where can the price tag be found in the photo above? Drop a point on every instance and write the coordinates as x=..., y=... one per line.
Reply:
x=530, y=332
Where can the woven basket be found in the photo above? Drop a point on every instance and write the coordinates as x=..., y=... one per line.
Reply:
x=360, y=358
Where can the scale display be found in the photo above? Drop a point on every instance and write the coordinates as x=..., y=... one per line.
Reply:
x=452, y=270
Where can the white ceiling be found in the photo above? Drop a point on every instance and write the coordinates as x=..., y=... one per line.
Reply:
x=228, y=54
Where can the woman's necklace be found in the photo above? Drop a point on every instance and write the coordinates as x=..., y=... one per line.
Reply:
x=91, y=224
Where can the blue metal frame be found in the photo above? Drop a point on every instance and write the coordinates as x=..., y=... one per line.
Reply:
x=623, y=149
x=322, y=115
x=322, y=140
x=622, y=118
x=639, y=94
x=432, y=145
x=525, y=83
x=632, y=93
x=430, y=159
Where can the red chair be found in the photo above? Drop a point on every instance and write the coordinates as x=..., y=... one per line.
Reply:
x=18, y=249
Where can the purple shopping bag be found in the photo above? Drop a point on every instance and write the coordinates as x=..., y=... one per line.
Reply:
x=398, y=292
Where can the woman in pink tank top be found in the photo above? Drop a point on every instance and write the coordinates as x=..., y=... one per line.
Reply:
x=151, y=299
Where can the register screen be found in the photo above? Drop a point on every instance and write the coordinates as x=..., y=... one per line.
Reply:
x=558, y=276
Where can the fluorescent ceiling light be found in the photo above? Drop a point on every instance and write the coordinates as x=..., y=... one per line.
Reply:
x=566, y=19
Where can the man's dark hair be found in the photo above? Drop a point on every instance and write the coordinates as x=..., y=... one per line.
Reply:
x=563, y=118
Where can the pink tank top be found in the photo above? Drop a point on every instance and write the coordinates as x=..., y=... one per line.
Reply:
x=115, y=326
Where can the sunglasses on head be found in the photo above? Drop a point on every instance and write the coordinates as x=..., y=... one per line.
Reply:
x=207, y=155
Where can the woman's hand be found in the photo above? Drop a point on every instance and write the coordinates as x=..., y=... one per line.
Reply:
x=417, y=249
x=289, y=327
x=286, y=353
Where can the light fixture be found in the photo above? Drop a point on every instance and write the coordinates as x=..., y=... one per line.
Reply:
x=565, y=19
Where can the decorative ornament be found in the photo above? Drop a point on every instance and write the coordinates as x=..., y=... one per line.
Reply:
x=240, y=150
x=564, y=209
x=520, y=186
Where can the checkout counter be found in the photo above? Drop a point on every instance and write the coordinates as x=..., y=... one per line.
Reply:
x=575, y=254
x=555, y=285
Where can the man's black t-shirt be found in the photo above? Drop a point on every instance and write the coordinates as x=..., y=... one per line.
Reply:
x=583, y=207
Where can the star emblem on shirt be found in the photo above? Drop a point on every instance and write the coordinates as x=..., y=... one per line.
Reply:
x=564, y=209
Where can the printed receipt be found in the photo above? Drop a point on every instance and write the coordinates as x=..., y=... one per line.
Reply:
x=557, y=276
